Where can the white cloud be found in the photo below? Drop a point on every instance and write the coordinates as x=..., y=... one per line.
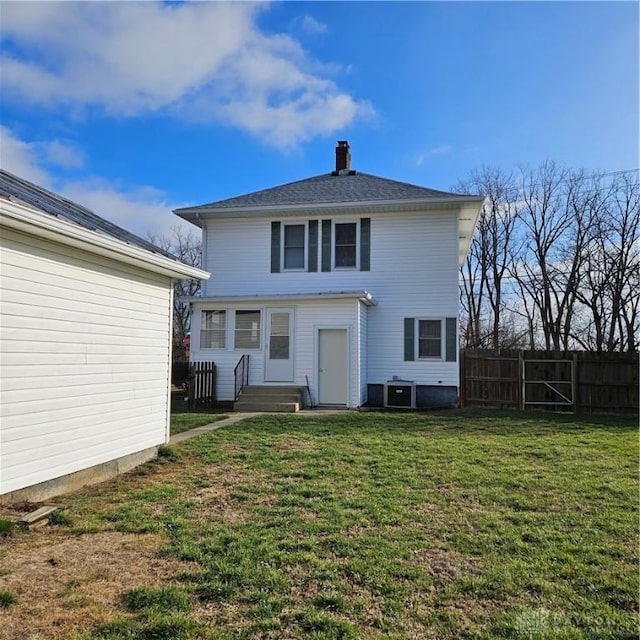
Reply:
x=140, y=210
x=63, y=155
x=22, y=158
x=422, y=156
x=26, y=157
x=204, y=61
x=312, y=26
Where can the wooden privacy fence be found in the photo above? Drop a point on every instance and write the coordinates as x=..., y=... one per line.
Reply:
x=201, y=385
x=578, y=381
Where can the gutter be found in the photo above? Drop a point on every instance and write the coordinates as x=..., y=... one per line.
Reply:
x=194, y=214
x=363, y=296
x=30, y=221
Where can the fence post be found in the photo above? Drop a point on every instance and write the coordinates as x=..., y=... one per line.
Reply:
x=462, y=378
x=522, y=380
x=191, y=383
x=574, y=382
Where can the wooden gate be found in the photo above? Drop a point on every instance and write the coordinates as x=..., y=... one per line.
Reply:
x=201, y=385
x=581, y=381
x=548, y=383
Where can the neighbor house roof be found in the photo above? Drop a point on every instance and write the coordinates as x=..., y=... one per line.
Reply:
x=329, y=188
x=13, y=187
x=29, y=208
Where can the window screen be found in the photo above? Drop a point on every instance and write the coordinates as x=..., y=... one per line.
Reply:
x=279, y=338
x=247, y=334
x=345, y=247
x=294, y=246
x=213, y=330
x=429, y=339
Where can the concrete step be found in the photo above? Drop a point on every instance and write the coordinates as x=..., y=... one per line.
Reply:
x=280, y=399
x=271, y=397
x=265, y=390
x=273, y=407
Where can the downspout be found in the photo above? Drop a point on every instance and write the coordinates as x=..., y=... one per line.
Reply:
x=167, y=434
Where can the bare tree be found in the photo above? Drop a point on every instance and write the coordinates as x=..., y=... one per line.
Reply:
x=555, y=227
x=611, y=289
x=487, y=264
x=187, y=247
x=555, y=260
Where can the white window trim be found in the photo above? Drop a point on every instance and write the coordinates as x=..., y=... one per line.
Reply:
x=356, y=266
x=293, y=223
x=443, y=345
x=260, y=310
x=226, y=330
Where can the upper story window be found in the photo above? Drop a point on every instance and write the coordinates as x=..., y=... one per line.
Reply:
x=294, y=246
x=346, y=244
x=213, y=330
x=247, y=333
x=430, y=338
x=320, y=245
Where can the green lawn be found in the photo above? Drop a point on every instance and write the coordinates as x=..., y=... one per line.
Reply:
x=386, y=526
x=184, y=421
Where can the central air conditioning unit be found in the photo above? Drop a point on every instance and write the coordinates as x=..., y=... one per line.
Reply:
x=400, y=394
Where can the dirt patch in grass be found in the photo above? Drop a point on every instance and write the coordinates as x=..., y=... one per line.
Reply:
x=64, y=585
x=217, y=502
x=444, y=566
x=294, y=444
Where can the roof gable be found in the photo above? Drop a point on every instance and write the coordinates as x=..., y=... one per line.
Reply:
x=329, y=188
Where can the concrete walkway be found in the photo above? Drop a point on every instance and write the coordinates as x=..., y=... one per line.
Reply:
x=198, y=431
x=237, y=417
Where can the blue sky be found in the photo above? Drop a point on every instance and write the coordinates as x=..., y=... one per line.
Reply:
x=137, y=108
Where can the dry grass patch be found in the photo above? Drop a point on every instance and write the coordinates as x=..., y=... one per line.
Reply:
x=294, y=444
x=66, y=585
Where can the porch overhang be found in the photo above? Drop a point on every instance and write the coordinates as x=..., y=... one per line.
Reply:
x=361, y=295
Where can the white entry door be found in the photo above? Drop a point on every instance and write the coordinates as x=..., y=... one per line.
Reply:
x=333, y=366
x=279, y=356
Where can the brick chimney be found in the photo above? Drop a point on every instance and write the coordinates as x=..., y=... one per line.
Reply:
x=343, y=157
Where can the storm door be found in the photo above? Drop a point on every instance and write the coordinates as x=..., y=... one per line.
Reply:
x=279, y=356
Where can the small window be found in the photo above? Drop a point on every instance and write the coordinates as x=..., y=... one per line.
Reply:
x=247, y=335
x=429, y=338
x=294, y=246
x=346, y=244
x=213, y=330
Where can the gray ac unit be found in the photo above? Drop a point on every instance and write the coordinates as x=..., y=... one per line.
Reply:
x=400, y=394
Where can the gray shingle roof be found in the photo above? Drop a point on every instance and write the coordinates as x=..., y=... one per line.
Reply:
x=329, y=188
x=16, y=188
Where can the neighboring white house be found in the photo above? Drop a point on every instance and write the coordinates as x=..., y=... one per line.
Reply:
x=345, y=281
x=85, y=344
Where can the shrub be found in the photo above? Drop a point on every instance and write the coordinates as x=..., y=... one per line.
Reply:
x=7, y=527
x=168, y=453
x=6, y=599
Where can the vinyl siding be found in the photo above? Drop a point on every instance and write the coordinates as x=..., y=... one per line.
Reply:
x=85, y=344
x=308, y=318
x=362, y=352
x=413, y=273
x=421, y=282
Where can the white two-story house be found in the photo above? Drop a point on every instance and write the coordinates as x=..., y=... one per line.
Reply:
x=345, y=283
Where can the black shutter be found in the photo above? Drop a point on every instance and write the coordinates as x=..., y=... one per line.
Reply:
x=451, y=340
x=313, y=245
x=275, y=247
x=326, y=245
x=365, y=244
x=409, y=338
